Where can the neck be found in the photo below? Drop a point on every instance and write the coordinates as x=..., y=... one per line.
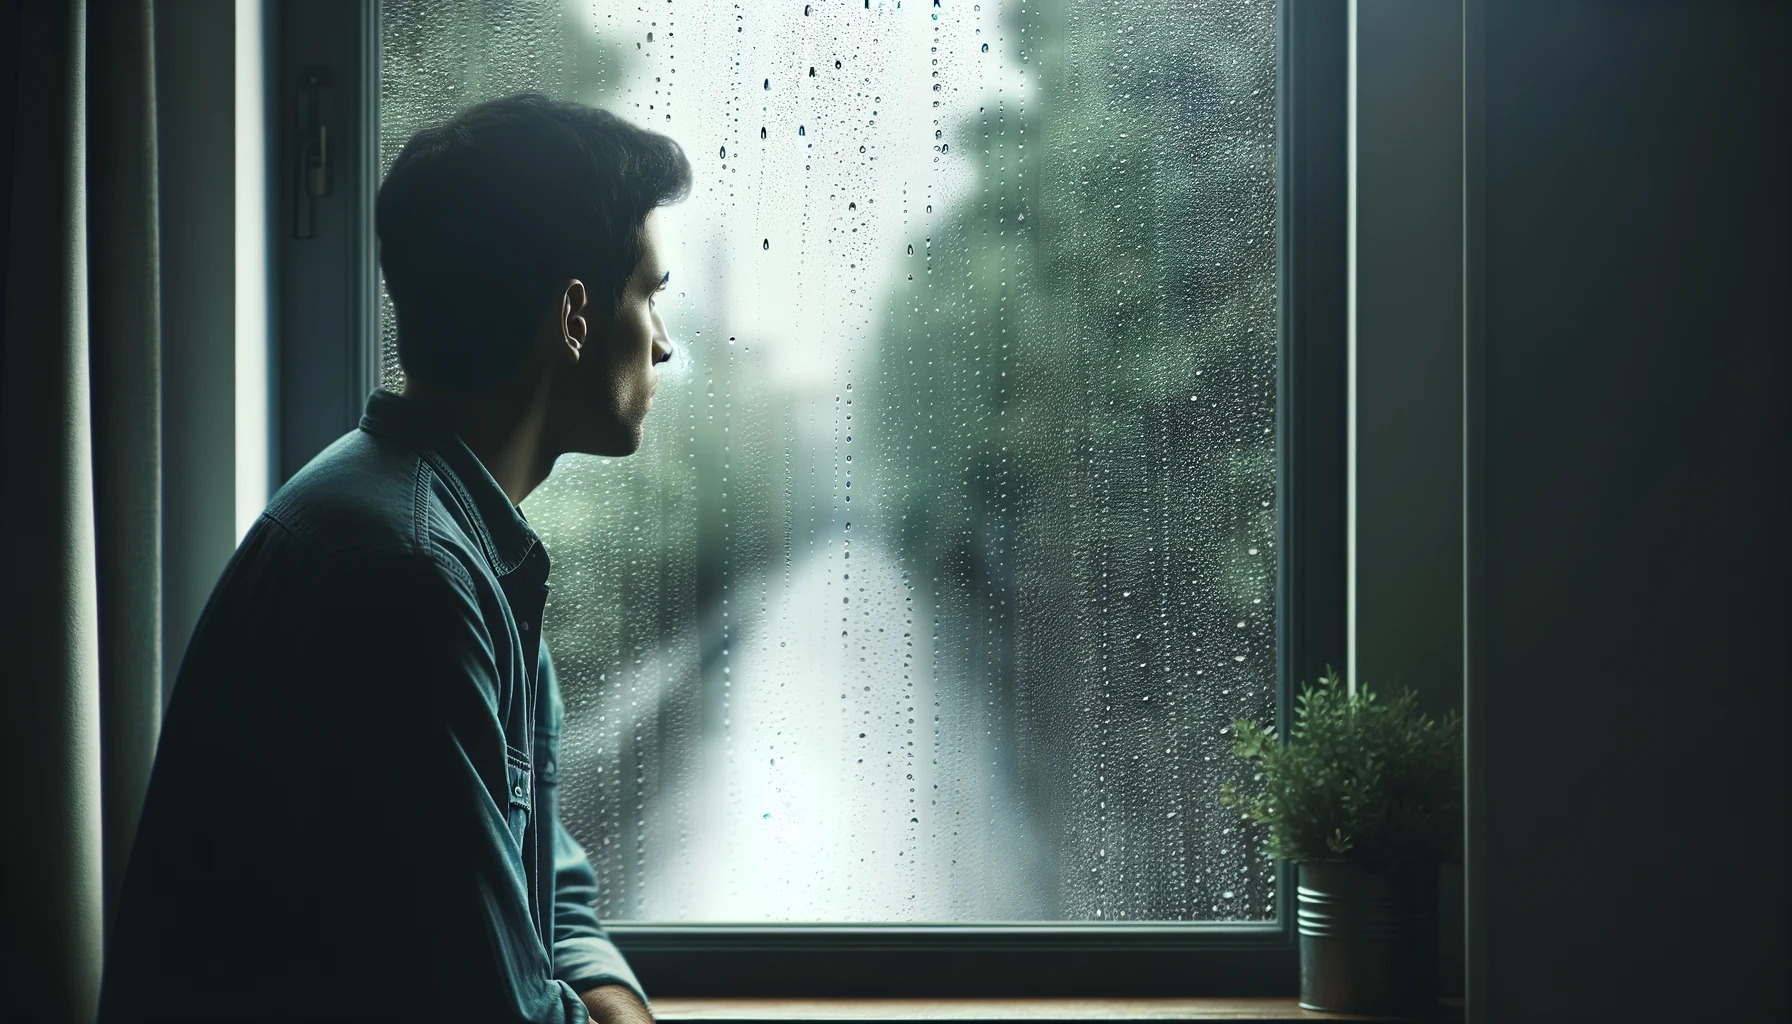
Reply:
x=504, y=426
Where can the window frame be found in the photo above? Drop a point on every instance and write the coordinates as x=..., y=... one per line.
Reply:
x=328, y=361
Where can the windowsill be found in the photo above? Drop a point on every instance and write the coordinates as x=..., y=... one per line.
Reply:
x=1117, y=1010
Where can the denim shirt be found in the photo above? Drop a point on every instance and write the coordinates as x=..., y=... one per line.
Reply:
x=354, y=812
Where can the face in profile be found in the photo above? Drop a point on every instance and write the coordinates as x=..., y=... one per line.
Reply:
x=599, y=400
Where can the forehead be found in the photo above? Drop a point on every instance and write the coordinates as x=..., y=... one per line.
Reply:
x=652, y=245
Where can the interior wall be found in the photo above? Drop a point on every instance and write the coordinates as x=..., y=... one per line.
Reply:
x=1627, y=664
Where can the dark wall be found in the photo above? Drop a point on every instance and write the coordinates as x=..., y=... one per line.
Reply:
x=1634, y=590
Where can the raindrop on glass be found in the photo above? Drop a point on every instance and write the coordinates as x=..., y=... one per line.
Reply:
x=767, y=244
x=724, y=152
x=768, y=85
x=985, y=47
x=836, y=65
x=762, y=133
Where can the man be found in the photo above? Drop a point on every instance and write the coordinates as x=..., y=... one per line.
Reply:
x=353, y=813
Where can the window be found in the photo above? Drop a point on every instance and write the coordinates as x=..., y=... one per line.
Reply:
x=997, y=472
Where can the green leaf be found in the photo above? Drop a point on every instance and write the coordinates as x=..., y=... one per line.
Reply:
x=1358, y=777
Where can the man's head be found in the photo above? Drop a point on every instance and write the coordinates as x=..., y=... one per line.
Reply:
x=519, y=245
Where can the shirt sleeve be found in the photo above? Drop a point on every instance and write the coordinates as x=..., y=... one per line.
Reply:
x=421, y=739
x=584, y=956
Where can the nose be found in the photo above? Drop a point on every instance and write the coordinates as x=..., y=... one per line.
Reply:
x=662, y=341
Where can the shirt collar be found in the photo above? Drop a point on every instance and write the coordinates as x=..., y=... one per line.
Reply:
x=503, y=533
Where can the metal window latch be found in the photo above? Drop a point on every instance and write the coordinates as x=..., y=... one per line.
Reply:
x=316, y=108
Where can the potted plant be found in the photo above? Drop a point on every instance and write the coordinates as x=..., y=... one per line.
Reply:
x=1366, y=797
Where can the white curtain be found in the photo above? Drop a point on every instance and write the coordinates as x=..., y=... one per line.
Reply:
x=80, y=487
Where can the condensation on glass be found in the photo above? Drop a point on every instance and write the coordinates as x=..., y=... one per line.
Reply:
x=950, y=554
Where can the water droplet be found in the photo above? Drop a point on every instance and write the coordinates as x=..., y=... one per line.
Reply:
x=937, y=133
x=650, y=37
x=724, y=152
x=811, y=71
x=768, y=85
x=767, y=244
x=985, y=47
x=806, y=9
x=861, y=149
x=929, y=207
x=800, y=130
x=911, y=250
x=836, y=65
x=852, y=206
x=762, y=132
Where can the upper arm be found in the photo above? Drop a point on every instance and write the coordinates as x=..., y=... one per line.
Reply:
x=415, y=756
x=410, y=639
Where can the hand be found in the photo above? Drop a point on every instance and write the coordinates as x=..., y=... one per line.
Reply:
x=614, y=1004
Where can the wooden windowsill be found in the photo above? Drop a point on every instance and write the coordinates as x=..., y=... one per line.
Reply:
x=1117, y=1010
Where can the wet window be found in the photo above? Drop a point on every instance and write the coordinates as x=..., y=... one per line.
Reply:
x=950, y=553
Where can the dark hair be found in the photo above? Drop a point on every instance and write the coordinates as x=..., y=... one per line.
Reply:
x=481, y=219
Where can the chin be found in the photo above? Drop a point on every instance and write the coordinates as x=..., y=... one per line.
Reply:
x=616, y=442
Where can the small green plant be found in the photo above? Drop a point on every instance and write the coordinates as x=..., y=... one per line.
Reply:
x=1360, y=779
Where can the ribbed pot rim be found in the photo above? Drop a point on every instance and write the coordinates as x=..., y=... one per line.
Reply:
x=1365, y=904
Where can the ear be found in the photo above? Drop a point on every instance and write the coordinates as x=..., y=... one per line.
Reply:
x=573, y=329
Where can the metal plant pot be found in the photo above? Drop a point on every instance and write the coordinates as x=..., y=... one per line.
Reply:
x=1368, y=940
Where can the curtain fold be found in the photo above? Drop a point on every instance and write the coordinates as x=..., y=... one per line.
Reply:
x=124, y=357
x=79, y=491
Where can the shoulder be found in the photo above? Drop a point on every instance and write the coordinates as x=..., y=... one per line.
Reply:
x=357, y=500
x=372, y=500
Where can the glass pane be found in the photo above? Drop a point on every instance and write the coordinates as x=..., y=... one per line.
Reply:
x=950, y=555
